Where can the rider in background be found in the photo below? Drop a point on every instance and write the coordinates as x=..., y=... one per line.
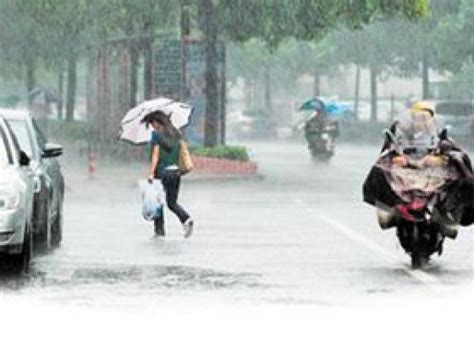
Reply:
x=316, y=123
x=319, y=121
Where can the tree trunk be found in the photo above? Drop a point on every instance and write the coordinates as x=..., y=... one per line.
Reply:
x=123, y=85
x=223, y=97
x=133, y=74
x=60, y=102
x=373, y=95
x=185, y=23
x=71, y=88
x=30, y=81
x=247, y=93
x=91, y=87
x=268, y=90
x=92, y=97
x=185, y=20
x=103, y=95
x=357, y=93
x=211, y=125
x=425, y=69
x=317, y=85
x=254, y=94
x=148, y=63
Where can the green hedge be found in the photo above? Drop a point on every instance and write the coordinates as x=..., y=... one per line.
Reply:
x=224, y=152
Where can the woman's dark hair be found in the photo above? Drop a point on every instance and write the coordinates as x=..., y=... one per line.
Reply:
x=161, y=118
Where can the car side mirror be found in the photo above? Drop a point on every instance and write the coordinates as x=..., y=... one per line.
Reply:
x=24, y=159
x=52, y=150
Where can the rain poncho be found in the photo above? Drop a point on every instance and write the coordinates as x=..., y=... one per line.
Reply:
x=416, y=135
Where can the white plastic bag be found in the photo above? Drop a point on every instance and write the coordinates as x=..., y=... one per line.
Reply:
x=152, y=202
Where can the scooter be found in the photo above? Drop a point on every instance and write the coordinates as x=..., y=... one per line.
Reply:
x=415, y=192
x=322, y=143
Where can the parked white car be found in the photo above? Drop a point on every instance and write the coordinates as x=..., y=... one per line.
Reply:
x=457, y=117
x=49, y=180
x=16, y=201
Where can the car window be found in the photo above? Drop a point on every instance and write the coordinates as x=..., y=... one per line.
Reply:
x=5, y=155
x=23, y=135
x=457, y=109
x=15, y=145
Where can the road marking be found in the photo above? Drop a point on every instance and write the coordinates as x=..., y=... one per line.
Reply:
x=431, y=281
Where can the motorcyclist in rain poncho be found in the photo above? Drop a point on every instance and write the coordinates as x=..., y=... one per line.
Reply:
x=415, y=141
x=321, y=131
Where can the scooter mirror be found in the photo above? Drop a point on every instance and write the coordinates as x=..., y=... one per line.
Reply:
x=444, y=134
x=389, y=135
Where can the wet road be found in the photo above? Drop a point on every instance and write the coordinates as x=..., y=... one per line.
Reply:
x=300, y=235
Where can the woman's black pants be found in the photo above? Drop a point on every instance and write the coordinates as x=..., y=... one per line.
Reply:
x=171, y=181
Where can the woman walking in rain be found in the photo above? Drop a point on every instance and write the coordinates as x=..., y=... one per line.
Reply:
x=166, y=142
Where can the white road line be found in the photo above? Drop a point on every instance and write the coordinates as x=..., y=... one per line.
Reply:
x=432, y=282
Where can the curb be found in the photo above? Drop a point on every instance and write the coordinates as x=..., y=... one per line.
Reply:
x=195, y=177
x=213, y=177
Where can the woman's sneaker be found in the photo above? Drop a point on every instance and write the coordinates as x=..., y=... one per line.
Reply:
x=188, y=228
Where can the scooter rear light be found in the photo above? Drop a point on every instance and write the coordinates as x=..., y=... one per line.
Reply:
x=404, y=211
x=411, y=210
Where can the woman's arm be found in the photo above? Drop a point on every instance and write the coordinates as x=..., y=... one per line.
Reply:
x=155, y=158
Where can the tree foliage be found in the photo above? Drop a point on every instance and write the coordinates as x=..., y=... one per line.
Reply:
x=455, y=39
x=47, y=33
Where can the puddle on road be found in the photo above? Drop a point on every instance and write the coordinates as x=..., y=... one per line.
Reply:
x=447, y=272
x=137, y=277
x=379, y=290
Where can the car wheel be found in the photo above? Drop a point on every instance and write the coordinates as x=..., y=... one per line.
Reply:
x=42, y=239
x=21, y=261
x=57, y=230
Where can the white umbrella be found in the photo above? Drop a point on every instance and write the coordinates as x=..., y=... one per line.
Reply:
x=134, y=131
